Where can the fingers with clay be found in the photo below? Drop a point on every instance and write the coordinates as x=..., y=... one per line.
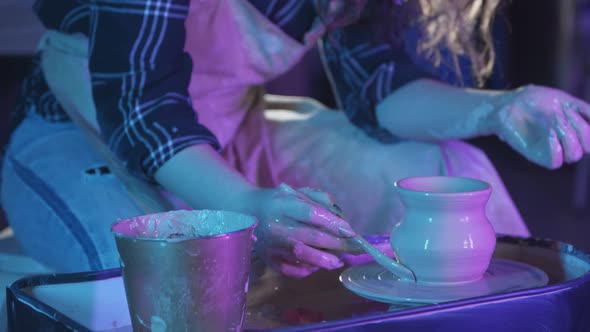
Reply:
x=306, y=210
x=295, y=259
x=568, y=137
x=286, y=263
x=297, y=254
x=324, y=199
x=290, y=256
x=297, y=230
x=295, y=270
x=547, y=126
x=290, y=229
x=579, y=121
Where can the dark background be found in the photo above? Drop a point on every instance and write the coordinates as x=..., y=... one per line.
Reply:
x=532, y=51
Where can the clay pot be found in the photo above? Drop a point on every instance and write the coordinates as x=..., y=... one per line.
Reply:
x=444, y=235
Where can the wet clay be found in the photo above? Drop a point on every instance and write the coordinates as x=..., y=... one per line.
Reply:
x=183, y=224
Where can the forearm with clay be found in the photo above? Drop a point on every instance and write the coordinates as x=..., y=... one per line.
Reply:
x=545, y=125
x=426, y=110
x=203, y=180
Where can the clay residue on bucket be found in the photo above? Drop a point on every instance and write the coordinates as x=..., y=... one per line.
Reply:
x=183, y=224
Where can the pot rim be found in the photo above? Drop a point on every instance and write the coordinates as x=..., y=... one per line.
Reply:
x=422, y=185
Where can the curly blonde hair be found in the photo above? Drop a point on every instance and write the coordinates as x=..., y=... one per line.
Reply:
x=463, y=27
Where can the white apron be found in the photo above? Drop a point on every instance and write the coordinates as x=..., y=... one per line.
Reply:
x=235, y=49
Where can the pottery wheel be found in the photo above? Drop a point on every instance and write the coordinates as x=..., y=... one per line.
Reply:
x=374, y=282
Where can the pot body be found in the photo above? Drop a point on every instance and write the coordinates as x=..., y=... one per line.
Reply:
x=444, y=234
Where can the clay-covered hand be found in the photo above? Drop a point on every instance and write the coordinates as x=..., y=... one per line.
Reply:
x=547, y=126
x=297, y=229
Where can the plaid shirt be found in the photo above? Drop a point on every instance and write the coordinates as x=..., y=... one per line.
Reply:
x=140, y=72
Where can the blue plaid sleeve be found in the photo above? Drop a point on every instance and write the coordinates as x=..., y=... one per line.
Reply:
x=140, y=76
x=364, y=69
x=362, y=66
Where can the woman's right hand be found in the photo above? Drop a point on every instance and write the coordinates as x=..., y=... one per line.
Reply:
x=296, y=230
x=546, y=125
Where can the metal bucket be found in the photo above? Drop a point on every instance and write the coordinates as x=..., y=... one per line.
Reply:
x=186, y=270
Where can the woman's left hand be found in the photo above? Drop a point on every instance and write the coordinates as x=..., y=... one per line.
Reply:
x=547, y=126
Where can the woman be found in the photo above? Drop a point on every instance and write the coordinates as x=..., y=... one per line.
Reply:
x=126, y=68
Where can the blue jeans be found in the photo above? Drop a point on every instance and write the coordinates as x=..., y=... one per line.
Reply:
x=59, y=198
